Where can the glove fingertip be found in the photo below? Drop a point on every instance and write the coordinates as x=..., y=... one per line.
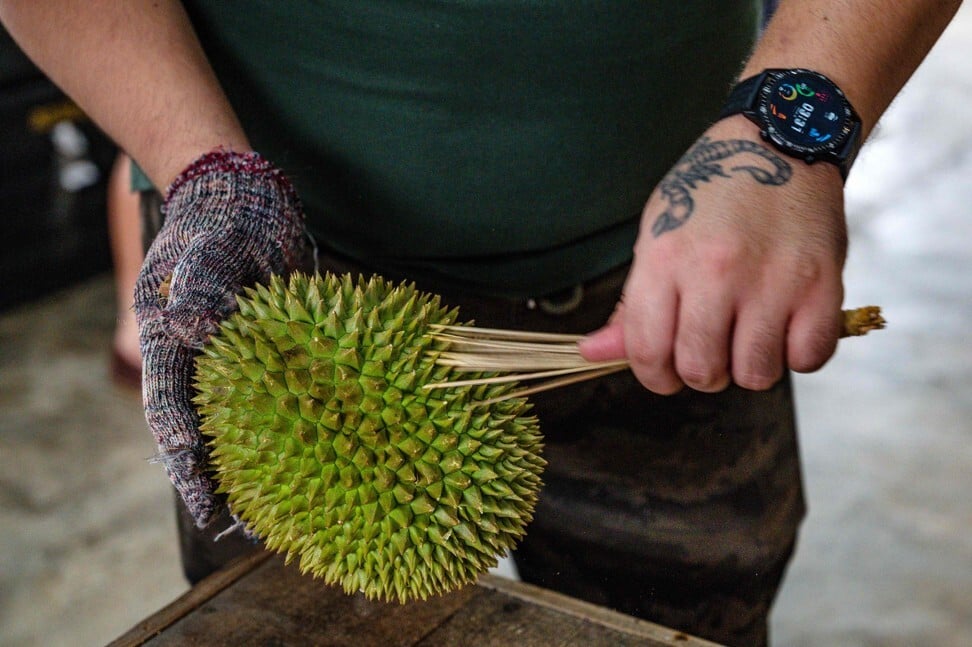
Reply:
x=204, y=508
x=198, y=492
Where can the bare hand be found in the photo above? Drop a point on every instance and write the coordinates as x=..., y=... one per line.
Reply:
x=737, y=269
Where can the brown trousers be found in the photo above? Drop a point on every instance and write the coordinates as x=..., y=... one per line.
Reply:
x=682, y=509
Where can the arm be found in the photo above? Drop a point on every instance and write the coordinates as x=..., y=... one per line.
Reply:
x=137, y=69
x=870, y=48
x=231, y=218
x=748, y=282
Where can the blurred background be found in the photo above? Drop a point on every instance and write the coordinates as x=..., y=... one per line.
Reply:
x=88, y=544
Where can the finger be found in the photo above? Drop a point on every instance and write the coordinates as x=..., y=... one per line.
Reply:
x=649, y=328
x=172, y=418
x=205, y=283
x=606, y=343
x=813, y=334
x=758, y=345
x=703, y=339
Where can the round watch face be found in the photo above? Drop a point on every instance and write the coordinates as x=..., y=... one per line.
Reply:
x=804, y=112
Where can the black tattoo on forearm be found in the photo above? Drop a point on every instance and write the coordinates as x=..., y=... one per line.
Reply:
x=703, y=162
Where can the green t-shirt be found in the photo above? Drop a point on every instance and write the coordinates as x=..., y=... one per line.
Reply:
x=502, y=146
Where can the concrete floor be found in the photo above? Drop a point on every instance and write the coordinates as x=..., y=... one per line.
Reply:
x=885, y=558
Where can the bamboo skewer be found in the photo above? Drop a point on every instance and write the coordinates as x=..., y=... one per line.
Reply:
x=520, y=356
x=589, y=367
x=472, y=332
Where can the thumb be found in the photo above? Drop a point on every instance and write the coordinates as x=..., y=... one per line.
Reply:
x=205, y=282
x=604, y=344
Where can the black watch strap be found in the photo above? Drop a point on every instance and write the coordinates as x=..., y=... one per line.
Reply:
x=742, y=99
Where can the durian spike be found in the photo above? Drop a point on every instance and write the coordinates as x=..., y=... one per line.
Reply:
x=520, y=356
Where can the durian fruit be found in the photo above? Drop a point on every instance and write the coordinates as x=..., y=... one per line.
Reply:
x=329, y=449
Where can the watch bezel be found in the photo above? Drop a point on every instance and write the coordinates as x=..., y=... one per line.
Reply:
x=779, y=138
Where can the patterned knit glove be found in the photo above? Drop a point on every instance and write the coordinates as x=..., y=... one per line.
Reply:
x=231, y=220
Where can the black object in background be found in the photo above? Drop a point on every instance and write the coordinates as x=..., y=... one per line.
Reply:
x=54, y=166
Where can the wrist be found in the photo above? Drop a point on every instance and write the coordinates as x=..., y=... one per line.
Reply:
x=801, y=113
x=740, y=127
x=168, y=158
x=226, y=161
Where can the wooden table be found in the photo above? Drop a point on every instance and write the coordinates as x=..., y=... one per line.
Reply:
x=260, y=601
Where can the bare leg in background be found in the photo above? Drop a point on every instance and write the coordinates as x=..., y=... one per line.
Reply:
x=125, y=237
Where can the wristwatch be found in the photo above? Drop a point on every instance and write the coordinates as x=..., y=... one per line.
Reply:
x=802, y=113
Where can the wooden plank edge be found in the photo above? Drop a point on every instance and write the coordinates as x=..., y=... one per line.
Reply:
x=191, y=600
x=592, y=612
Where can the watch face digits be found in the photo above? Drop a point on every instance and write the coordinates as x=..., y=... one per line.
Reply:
x=805, y=112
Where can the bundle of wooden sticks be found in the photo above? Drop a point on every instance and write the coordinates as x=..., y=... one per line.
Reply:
x=519, y=356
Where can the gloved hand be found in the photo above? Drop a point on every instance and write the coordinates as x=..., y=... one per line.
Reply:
x=231, y=219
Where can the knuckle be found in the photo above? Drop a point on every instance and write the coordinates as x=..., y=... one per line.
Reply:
x=759, y=370
x=704, y=377
x=807, y=272
x=758, y=364
x=655, y=374
x=810, y=357
x=643, y=354
x=757, y=380
x=811, y=350
x=722, y=258
x=664, y=384
x=669, y=388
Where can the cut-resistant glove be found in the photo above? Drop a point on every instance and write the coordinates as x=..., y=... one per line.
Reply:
x=230, y=221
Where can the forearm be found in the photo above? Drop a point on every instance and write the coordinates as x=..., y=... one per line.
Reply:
x=868, y=47
x=137, y=69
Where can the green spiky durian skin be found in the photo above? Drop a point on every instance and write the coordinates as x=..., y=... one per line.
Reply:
x=330, y=451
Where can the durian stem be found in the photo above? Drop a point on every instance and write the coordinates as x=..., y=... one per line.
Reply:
x=860, y=321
